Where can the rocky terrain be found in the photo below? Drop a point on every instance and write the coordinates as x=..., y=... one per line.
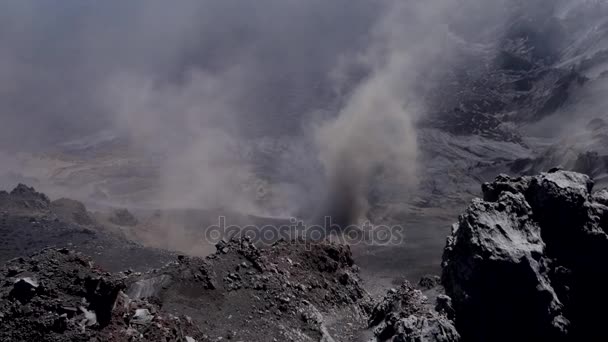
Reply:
x=519, y=95
x=523, y=263
x=514, y=87
x=94, y=284
x=291, y=291
x=61, y=295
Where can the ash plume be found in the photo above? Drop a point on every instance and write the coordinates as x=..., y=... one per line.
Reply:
x=373, y=140
x=312, y=103
x=190, y=86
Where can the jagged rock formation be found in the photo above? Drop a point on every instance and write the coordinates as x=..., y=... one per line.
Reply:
x=405, y=314
x=526, y=263
x=23, y=199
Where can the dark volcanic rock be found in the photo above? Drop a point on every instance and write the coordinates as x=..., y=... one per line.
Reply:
x=494, y=272
x=60, y=295
x=406, y=315
x=526, y=263
x=287, y=291
x=290, y=291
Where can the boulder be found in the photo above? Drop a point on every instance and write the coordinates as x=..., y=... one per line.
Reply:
x=24, y=289
x=525, y=263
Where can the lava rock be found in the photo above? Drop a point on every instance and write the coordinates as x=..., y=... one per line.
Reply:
x=62, y=296
x=406, y=315
x=526, y=263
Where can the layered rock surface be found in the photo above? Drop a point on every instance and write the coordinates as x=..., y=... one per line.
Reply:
x=526, y=262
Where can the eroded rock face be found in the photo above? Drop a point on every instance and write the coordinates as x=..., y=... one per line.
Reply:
x=526, y=263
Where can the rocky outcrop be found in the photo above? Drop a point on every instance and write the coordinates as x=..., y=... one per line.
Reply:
x=405, y=314
x=24, y=199
x=526, y=263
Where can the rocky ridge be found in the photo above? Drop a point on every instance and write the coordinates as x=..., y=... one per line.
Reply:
x=290, y=290
x=523, y=263
x=30, y=221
